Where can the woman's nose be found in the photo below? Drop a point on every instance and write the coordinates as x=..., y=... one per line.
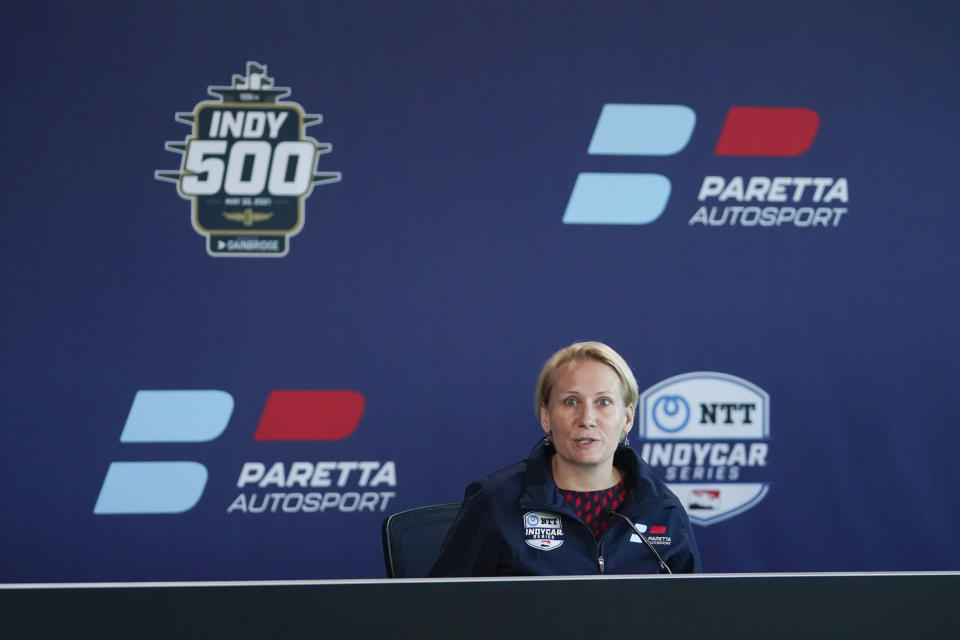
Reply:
x=588, y=417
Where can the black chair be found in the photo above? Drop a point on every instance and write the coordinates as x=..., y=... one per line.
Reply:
x=412, y=539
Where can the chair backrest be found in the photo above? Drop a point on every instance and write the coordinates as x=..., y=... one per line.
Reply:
x=412, y=539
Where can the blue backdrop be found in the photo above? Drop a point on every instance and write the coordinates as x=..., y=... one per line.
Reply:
x=435, y=277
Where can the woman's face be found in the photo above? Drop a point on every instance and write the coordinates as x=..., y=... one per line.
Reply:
x=586, y=414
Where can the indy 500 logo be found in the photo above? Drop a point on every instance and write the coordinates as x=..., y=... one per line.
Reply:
x=247, y=166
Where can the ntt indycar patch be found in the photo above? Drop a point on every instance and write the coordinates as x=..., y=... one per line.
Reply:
x=542, y=530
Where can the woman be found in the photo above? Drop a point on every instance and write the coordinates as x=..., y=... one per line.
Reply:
x=551, y=514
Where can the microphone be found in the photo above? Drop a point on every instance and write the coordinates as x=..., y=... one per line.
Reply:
x=663, y=565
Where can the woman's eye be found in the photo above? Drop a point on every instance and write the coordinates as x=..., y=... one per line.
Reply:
x=604, y=402
x=570, y=402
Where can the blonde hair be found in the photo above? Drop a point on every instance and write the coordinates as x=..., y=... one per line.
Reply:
x=586, y=351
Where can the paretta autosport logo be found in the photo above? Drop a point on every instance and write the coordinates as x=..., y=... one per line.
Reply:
x=760, y=201
x=265, y=486
x=707, y=435
x=247, y=166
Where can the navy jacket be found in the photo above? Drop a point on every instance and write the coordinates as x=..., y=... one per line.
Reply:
x=515, y=522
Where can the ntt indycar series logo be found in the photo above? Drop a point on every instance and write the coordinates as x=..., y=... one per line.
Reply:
x=707, y=435
x=247, y=166
x=542, y=530
x=771, y=201
x=198, y=416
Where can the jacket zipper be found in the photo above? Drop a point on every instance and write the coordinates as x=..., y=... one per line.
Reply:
x=600, y=560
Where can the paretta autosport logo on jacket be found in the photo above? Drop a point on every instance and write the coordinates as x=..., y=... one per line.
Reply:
x=247, y=166
x=195, y=416
x=760, y=201
x=707, y=435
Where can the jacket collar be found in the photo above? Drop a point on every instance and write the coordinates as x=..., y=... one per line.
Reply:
x=539, y=489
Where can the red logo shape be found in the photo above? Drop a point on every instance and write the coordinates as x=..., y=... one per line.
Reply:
x=767, y=131
x=658, y=530
x=310, y=415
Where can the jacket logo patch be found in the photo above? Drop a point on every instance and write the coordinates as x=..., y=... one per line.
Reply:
x=655, y=534
x=542, y=530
